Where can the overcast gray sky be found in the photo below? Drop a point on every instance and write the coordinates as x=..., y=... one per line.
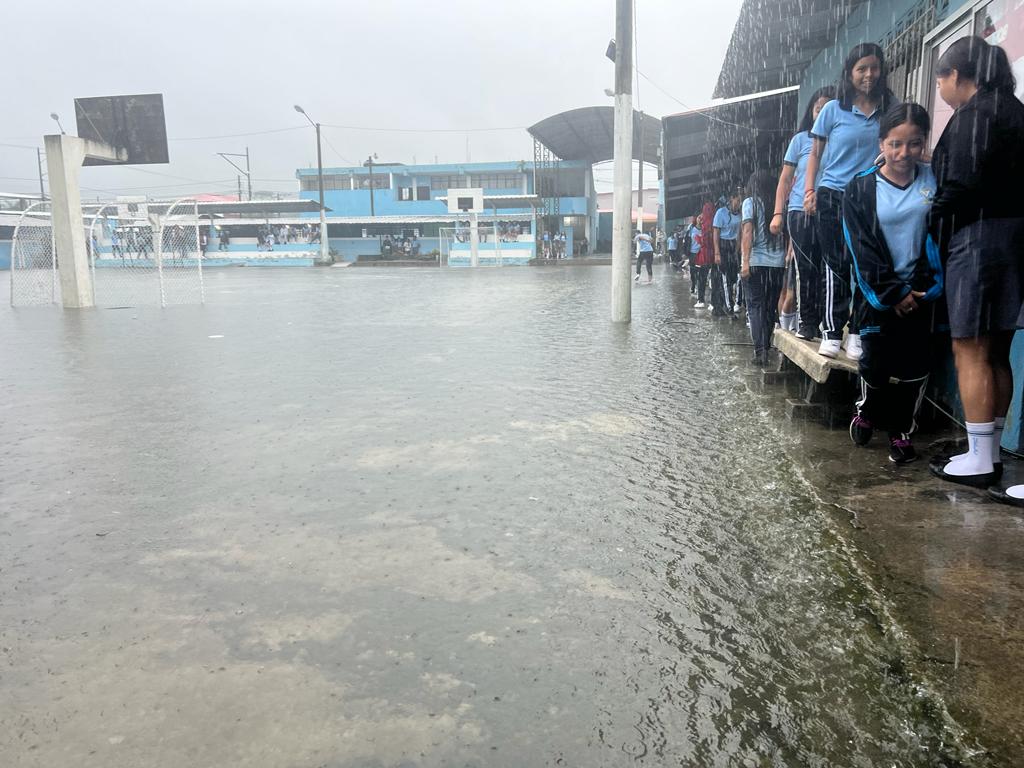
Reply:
x=434, y=67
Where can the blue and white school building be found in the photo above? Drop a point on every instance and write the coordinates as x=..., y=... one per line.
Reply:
x=368, y=206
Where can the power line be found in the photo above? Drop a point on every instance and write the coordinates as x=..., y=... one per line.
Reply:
x=424, y=130
x=238, y=135
x=710, y=117
x=340, y=156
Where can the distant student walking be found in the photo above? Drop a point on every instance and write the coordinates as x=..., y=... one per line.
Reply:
x=726, y=271
x=885, y=215
x=845, y=143
x=763, y=262
x=645, y=255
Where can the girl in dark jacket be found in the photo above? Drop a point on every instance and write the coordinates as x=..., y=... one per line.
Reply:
x=897, y=266
x=978, y=219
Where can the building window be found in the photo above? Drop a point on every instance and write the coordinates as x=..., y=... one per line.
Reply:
x=405, y=193
x=308, y=184
x=380, y=181
x=445, y=182
x=496, y=180
x=422, y=193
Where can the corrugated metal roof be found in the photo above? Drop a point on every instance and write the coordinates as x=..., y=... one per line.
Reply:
x=587, y=134
x=774, y=41
x=712, y=149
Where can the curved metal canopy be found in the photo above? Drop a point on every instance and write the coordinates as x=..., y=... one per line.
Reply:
x=587, y=134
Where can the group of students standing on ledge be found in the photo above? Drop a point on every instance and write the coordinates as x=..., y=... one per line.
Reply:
x=889, y=249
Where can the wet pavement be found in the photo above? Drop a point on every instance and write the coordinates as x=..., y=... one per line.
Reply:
x=389, y=517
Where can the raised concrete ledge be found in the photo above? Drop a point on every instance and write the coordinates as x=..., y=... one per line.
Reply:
x=804, y=354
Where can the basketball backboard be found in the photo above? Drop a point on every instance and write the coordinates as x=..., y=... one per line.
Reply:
x=466, y=200
x=132, y=123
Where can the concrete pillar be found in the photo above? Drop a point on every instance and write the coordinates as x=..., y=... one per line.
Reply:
x=474, y=240
x=64, y=157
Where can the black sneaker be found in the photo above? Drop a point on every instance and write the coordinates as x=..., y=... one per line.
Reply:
x=807, y=333
x=901, y=450
x=861, y=430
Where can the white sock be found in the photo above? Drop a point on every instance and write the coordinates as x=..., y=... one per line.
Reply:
x=788, y=321
x=978, y=459
x=1016, y=491
x=997, y=440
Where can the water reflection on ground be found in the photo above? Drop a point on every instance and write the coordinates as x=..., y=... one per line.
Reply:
x=420, y=517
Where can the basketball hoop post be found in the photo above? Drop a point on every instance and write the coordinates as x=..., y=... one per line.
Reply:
x=64, y=157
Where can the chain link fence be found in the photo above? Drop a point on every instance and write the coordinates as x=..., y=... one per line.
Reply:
x=123, y=258
x=34, y=278
x=138, y=255
x=179, y=259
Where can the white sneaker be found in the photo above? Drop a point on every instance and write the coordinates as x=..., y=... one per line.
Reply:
x=830, y=347
x=699, y=305
x=636, y=279
x=853, y=347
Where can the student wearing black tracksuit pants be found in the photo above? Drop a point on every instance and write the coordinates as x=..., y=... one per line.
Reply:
x=845, y=137
x=885, y=224
x=802, y=227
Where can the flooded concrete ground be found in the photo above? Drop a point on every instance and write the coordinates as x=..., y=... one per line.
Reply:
x=430, y=517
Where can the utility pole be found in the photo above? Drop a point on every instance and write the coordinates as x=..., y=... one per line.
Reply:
x=248, y=175
x=622, y=289
x=640, y=181
x=369, y=163
x=39, y=160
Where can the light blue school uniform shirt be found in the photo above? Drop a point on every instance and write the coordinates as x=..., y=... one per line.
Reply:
x=852, y=144
x=645, y=244
x=694, y=245
x=796, y=156
x=727, y=222
x=762, y=254
x=672, y=242
x=903, y=217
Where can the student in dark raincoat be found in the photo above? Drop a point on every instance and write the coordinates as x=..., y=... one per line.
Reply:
x=897, y=266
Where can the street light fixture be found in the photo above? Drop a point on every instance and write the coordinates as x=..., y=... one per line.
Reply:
x=53, y=116
x=324, y=252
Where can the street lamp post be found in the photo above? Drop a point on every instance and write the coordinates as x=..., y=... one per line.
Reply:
x=55, y=118
x=369, y=164
x=324, y=251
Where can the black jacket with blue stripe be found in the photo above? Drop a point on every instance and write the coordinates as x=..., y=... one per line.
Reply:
x=880, y=284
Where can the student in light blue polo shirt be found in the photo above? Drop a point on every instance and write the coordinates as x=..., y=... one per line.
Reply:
x=845, y=143
x=726, y=270
x=802, y=227
x=764, y=259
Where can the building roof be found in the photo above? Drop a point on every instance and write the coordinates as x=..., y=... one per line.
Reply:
x=715, y=148
x=412, y=170
x=772, y=43
x=505, y=201
x=586, y=134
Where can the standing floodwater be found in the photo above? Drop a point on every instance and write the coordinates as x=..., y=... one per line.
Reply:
x=381, y=517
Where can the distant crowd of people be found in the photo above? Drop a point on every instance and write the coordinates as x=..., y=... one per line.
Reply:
x=407, y=246
x=267, y=236
x=866, y=244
